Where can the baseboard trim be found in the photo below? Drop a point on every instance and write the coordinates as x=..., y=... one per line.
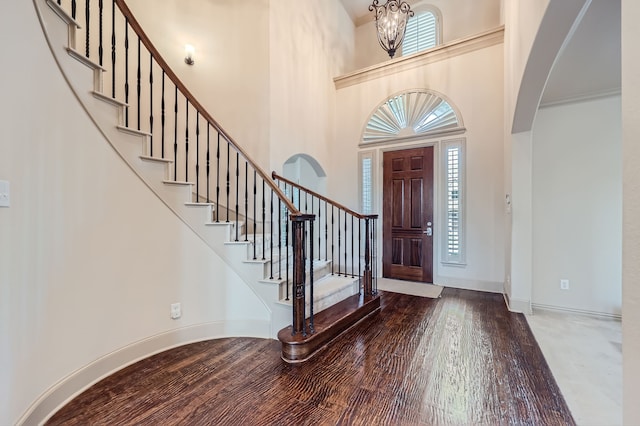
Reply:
x=519, y=306
x=486, y=286
x=80, y=380
x=562, y=309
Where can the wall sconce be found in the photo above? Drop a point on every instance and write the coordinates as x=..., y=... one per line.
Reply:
x=391, y=23
x=189, y=52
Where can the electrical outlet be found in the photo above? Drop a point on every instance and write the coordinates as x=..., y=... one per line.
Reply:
x=564, y=284
x=176, y=311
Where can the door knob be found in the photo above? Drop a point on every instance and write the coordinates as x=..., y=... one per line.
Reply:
x=428, y=231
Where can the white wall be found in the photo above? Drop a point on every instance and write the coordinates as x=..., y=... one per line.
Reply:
x=90, y=259
x=311, y=43
x=460, y=19
x=577, y=206
x=631, y=212
x=471, y=81
x=230, y=76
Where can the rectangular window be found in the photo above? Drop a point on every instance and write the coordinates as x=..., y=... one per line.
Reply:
x=453, y=174
x=366, y=178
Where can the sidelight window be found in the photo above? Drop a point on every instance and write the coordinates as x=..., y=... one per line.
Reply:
x=453, y=176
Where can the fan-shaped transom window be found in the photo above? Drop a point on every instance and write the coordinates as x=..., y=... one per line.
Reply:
x=408, y=114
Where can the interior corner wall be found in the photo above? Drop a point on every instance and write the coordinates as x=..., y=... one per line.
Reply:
x=577, y=206
x=460, y=19
x=520, y=269
x=631, y=212
x=90, y=258
x=230, y=76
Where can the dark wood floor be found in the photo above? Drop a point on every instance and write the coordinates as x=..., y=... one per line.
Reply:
x=462, y=359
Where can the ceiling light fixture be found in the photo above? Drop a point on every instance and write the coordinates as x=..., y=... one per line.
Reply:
x=391, y=23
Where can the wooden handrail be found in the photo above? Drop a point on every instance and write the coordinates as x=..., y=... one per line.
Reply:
x=274, y=175
x=135, y=25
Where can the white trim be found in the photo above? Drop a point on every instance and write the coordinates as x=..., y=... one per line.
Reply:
x=520, y=306
x=80, y=380
x=470, y=284
x=420, y=59
x=594, y=314
x=583, y=98
x=418, y=137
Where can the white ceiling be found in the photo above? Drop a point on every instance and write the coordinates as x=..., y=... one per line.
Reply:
x=590, y=63
x=358, y=8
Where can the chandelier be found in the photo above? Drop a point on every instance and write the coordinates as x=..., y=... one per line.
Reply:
x=391, y=23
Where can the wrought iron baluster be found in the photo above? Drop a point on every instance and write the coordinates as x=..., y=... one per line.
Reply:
x=218, y=181
x=100, y=31
x=345, y=244
x=326, y=230
x=175, y=136
x=197, y=156
x=375, y=255
x=139, y=86
x=279, y=238
x=113, y=49
x=319, y=229
x=228, y=176
x=332, y=239
x=271, y=238
x=87, y=24
x=151, y=102
x=126, y=71
x=264, y=217
x=246, y=200
x=339, y=242
x=255, y=214
x=311, y=327
x=208, y=159
x=186, y=141
x=237, y=183
x=163, y=117
x=360, y=247
x=352, y=246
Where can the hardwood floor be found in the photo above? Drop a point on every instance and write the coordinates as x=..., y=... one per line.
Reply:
x=462, y=359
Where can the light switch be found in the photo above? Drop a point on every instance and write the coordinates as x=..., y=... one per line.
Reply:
x=4, y=193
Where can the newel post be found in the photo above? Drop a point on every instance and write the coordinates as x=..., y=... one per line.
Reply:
x=298, y=226
x=367, y=277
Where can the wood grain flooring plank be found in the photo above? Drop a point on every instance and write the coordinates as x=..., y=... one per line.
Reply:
x=463, y=359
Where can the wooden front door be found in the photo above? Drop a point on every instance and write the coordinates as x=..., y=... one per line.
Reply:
x=408, y=215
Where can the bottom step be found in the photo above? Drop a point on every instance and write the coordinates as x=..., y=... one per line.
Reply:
x=329, y=324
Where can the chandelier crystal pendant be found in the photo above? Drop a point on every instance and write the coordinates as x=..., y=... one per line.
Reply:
x=391, y=23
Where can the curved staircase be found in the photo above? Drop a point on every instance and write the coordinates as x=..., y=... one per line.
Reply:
x=199, y=172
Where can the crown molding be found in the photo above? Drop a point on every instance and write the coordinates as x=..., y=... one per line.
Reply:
x=436, y=54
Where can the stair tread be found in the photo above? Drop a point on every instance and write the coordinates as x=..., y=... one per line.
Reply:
x=156, y=159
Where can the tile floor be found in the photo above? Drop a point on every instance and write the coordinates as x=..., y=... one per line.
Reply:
x=585, y=356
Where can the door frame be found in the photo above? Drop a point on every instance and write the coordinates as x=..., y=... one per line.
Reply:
x=379, y=188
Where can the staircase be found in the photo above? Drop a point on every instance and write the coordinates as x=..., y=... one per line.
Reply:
x=253, y=221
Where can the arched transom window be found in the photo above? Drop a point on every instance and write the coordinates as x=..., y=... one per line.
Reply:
x=408, y=114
